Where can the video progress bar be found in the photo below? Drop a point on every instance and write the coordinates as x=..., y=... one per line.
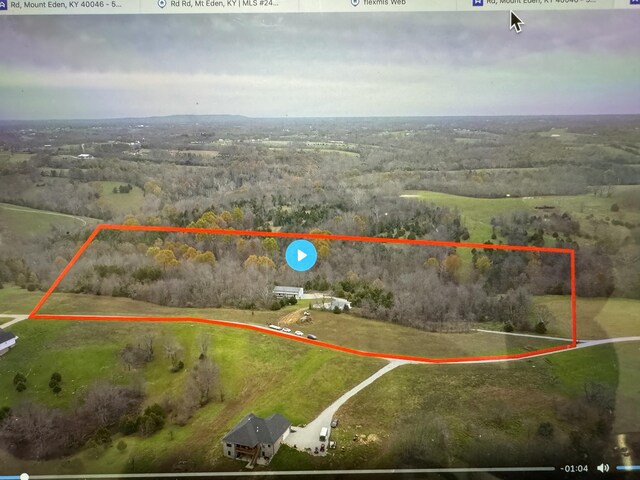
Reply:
x=628, y=468
x=292, y=473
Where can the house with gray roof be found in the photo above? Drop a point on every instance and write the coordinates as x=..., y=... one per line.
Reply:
x=288, y=292
x=7, y=341
x=256, y=439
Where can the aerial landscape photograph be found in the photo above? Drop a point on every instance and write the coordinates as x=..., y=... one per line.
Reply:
x=463, y=290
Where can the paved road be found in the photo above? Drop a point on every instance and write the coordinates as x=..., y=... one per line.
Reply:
x=309, y=437
x=16, y=319
x=544, y=337
x=603, y=341
x=313, y=296
x=581, y=344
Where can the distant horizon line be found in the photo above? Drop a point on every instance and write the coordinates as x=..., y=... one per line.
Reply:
x=329, y=117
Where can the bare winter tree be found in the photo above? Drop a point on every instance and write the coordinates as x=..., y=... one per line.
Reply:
x=36, y=432
x=173, y=350
x=205, y=377
x=204, y=342
x=128, y=356
x=33, y=431
x=145, y=341
x=185, y=405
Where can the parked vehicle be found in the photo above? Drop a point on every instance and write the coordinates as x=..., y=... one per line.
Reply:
x=286, y=330
x=324, y=433
x=299, y=333
x=312, y=337
x=275, y=327
x=334, y=423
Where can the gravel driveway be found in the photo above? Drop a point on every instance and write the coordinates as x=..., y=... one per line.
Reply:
x=308, y=438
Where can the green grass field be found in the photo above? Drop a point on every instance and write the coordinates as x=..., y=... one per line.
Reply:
x=17, y=300
x=597, y=317
x=478, y=212
x=312, y=147
x=318, y=150
x=561, y=134
x=504, y=403
x=260, y=374
x=493, y=409
x=25, y=221
x=345, y=330
x=617, y=365
x=203, y=153
x=6, y=156
x=378, y=336
x=119, y=203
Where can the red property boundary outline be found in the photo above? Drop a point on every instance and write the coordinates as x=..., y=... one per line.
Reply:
x=389, y=356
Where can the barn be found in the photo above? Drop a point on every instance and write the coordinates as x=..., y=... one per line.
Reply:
x=288, y=292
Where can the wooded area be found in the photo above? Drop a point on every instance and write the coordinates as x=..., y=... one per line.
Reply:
x=347, y=179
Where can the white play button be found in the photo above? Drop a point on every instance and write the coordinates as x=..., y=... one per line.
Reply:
x=301, y=255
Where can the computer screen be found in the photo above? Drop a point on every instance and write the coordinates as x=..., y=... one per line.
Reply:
x=319, y=239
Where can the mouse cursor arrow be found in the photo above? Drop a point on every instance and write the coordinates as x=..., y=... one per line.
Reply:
x=515, y=22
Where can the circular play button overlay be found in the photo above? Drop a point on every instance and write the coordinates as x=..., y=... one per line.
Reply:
x=301, y=255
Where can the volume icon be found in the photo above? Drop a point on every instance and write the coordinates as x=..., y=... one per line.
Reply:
x=603, y=467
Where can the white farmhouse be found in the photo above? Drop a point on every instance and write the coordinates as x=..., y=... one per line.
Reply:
x=288, y=292
x=7, y=341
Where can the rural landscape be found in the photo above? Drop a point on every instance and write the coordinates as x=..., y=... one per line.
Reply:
x=474, y=207
x=109, y=396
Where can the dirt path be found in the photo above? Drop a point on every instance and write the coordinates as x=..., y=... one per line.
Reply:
x=530, y=335
x=6, y=206
x=291, y=318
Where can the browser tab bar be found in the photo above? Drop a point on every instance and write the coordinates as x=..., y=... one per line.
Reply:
x=84, y=7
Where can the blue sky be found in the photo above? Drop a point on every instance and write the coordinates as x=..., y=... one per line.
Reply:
x=320, y=65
